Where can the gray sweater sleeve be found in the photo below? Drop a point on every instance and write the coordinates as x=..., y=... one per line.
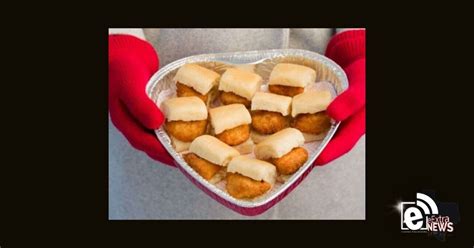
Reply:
x=173, y=44
x=137, y=32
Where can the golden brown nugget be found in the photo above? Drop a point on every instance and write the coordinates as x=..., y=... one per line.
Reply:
x=184, y=90
x=186, y=131
x=312, y=123
x=290, y=162
x=240, y=186
x=285, y=90
x=268, y=122
x=230, y=98
x=235, y=136
x=203, y=167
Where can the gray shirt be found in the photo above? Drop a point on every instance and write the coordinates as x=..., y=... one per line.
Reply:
x=141, y=188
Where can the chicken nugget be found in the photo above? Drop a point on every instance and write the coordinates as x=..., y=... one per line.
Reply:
x=230, y=98
x=186, y=131
x=285, y=90
x=203, y=167
x=240, y=186
x=268, y=122
x=312, y=123
x=291, y=162
x=235, y=136
x=184, y=90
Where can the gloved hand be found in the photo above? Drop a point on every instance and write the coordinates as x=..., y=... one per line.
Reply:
x=348, y=50
x=132, y=62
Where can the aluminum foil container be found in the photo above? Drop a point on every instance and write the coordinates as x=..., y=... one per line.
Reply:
x=329, y=76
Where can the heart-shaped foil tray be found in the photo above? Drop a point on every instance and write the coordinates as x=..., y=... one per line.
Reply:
x=329, y=76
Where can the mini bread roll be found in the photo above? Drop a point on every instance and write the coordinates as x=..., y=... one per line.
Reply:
x=292, y=75
x=229, y=116
x=199, y=78
x=240, y=82
x=189, y=108
x=246, y=147
x=219, y=176
x=258, y=137
x=271, y=102
x=283, y=178
x=256, y=169
x=213, y=150
x=279, y=143
x=246, y=67
x=308, y=137
x=310, y=102
x=179, y=145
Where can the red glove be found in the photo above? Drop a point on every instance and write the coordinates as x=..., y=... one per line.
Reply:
x=348, y=50
x=132, y=62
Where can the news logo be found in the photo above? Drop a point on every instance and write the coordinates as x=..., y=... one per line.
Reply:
x=422, y=216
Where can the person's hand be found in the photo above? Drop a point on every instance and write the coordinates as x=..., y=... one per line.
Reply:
x=348, y=50
x=132, y=62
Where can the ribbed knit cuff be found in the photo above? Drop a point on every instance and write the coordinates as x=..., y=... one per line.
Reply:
x=346, y=47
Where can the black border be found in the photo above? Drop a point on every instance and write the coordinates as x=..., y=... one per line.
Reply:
x=54, y=187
